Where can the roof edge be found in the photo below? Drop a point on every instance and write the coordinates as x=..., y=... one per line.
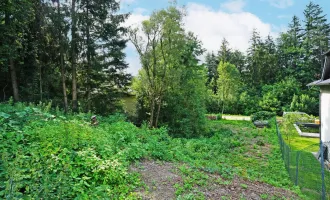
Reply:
x=314, y=83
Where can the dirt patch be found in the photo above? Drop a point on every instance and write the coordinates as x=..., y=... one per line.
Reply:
x=240, y=188
x=160, y=179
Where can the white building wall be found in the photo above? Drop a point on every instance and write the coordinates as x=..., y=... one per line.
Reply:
x=325, y=113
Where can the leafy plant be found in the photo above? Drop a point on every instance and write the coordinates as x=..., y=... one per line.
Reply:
x=262, y=115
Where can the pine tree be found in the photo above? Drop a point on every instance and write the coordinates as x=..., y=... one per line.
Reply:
x=270, y=65
x=255, y=55
x=315, y=42
x=290, y=50
x=212, y=73
x=224, y=54
x=103, y=57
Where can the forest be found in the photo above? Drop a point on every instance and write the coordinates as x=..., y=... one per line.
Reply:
x=72, y=54
x=63, y=61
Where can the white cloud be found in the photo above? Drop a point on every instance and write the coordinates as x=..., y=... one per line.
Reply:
x=233, y=5
x=135, y=19
x=211, y=26
x=139, y=11
x=132, y=57
x=281, y=3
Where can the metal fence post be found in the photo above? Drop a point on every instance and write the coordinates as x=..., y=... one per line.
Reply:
x=322, y=171
x=297, y=167
x=289, y=152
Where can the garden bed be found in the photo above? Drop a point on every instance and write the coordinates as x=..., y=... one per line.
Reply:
x=307, y=129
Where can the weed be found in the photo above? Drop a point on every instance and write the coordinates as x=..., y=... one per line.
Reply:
x=264, y=196
x=243, y=186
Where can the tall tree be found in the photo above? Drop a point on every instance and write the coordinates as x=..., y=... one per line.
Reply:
x=270, y=64
x=290, y=50
x=224, y=54
x=255, y=54
x=74, y=55
x=61, y=53
x=228, y=83
x=159, y=53
x=237, y=58
x=315, y=41
x=15, y=17
x=212, y=62
x=102, y=32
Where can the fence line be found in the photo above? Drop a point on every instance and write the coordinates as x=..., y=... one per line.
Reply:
x=306, y=168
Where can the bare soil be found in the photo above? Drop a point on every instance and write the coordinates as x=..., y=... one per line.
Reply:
x=160, y=179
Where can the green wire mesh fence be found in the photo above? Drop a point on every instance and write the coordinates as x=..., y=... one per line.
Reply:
x=307, y=169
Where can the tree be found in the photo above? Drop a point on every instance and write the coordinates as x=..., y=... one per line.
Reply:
x=184, y=112
x=61, y=53
x=228, y=83
x=238, y=59
x=171, y=82
x=316, y=37
x=290, y=51
x=270, y=65
x=159, y=54
x=74, y=55
x=102, y=53
x=224, y=54
x=15, y=17
x=212, y=63
x=255, y=54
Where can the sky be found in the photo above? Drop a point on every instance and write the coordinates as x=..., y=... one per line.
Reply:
x=213, y=20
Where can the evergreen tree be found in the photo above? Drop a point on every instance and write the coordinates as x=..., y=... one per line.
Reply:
x=255, y=55
x=315, y=42
x=212, y=62
x=270, y=67
x=103, y=58
x=224, y=54
x=290, y=51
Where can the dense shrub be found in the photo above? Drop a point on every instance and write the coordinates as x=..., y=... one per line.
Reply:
x=305, y=103
x=262, y=115
x=248, y=103
x=50, y=156
x=277, y=97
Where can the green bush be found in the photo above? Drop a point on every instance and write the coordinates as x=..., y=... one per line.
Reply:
x=63, y=157
x=262, y=115
x=305, y=103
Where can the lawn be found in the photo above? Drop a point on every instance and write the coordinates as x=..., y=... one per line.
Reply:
x=295, y=141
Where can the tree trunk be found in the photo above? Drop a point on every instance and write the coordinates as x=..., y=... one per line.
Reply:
x=158, y=112
x=13, y=79
x=12, y=68
x=88, y=62
x=152, y=110
x=65, y=98
x=40, y=82
x=73, y=57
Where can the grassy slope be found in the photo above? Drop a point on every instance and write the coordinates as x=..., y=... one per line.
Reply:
x=63, y=157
